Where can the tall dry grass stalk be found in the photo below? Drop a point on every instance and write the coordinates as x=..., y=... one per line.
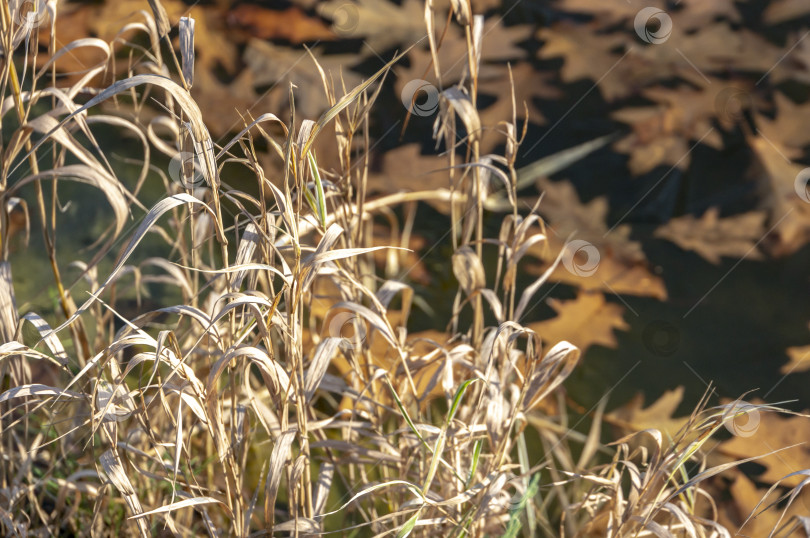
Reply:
x=219, y=413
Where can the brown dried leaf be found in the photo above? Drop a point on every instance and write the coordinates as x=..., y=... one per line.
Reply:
x=745, y=498
x=271, y=64
x=381, y=24
x=611, y=11
x=766, y=432
x=713, y=237
x=715, y=48
x=291, y=24
x=588, y=55
x=406, y=169
x=585, y=321
x=789, y=128
x=659, y=415
x=799, y=360
x=664, y=134
x=619, y=263
x=498, y=47
x=700, y=13
x=568, y=215
x=468, y=269
x=778, y=11
x=789, y=215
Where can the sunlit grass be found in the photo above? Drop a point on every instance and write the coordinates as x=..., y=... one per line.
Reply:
x=221, y=409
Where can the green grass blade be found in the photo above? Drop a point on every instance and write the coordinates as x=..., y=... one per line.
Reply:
x=320, y=197
x=409, y=525
x=457, y=399
x=476, y=456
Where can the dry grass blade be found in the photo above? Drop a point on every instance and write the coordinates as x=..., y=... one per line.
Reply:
x=347, y=100
x=188, y=503
x=114, y=470
x=187, y=49
x=95, y=177
x=320, y=362
x=8, y=306
x=279, y=456
x=39, y=390
x=211, y=381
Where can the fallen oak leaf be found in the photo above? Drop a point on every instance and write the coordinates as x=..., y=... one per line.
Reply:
x=530, y=85
x=799, y=360
x=700, y=13
x=611, y=11
x=498, y=48
x=381, y=24
x=291, y=24
x=789, y=214
x=612, y=274
x=406, y=169
x=588, y=54
x=712, y=237
x=761, y=433
x=779, y=11
x=663, y=134
x=716, y=48
x=274, y=65
x=633, y=416
x=614, y=263
x=668, y=150
x=567, y=215
x=585, y=321
x=789, y=127
x=796, y=64
x=746, y=499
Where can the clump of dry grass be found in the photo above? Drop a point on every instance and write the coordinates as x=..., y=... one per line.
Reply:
x=218, y=413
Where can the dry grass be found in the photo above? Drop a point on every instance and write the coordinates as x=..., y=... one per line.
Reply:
x=218, y=413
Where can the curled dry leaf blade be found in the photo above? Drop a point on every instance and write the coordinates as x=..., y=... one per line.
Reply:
x=468, y=270
x=114, y=469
